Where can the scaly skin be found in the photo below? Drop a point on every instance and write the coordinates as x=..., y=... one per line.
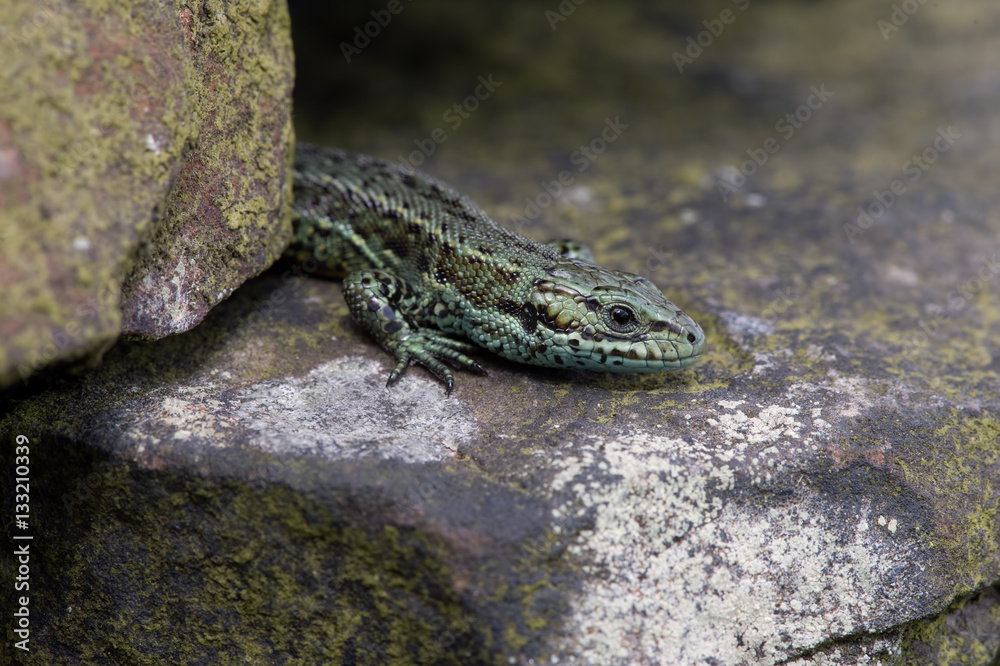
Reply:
x=432, y=278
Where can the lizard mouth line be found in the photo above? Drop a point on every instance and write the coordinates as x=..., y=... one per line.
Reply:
x=637, y=358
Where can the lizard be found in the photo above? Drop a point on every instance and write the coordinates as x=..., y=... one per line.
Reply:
x=433, y=279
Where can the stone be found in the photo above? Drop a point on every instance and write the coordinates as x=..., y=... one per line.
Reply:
x=144, y=161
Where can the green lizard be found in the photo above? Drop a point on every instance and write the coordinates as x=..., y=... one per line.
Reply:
x=432, y=278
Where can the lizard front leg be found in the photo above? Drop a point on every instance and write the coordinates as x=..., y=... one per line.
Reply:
x=380, y=303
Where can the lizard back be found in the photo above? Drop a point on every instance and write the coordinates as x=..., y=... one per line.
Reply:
x=354, y=211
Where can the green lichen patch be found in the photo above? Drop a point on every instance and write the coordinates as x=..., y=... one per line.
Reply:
x=226, y=217
x=956, y=467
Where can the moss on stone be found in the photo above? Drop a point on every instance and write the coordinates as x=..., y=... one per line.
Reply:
x=953, y=471
x=196, y=569
x=952, y=638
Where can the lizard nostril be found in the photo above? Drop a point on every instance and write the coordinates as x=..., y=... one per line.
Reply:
x=692, y=338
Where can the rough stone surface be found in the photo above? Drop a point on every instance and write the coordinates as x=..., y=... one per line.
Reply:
x=144, y=159
x=823, y=488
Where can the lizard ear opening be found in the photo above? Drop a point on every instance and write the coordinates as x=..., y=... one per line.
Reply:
x=529, y=318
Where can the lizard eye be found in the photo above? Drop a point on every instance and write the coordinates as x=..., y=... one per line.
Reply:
x=621, y=318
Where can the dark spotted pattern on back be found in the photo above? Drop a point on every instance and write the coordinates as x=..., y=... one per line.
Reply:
x=509, y=307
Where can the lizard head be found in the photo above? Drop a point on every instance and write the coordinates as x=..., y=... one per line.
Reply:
x=597, y=319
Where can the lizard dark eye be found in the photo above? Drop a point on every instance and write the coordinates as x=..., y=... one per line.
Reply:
x=621, y=318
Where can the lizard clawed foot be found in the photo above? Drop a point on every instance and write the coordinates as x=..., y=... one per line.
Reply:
x=429, y=350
